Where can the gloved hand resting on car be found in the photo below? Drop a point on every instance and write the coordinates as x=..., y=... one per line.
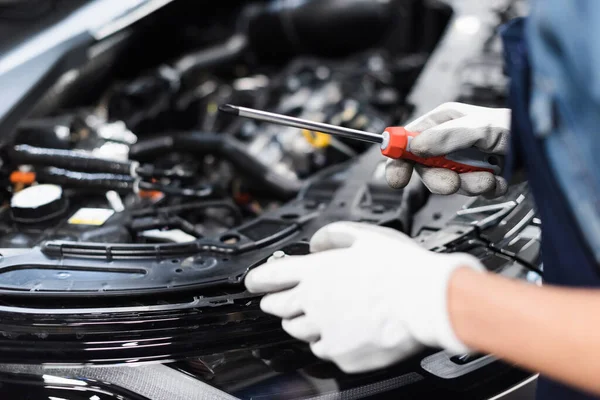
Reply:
x=367, y=297
x=451, y=127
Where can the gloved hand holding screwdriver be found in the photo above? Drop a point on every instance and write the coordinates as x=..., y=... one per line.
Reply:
x=456, y=147
x=448, y=128
x=369, y=296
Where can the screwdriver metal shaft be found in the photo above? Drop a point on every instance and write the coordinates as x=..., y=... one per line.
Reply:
x=301, y=123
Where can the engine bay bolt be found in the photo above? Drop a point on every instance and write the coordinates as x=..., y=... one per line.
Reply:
x=278, y=255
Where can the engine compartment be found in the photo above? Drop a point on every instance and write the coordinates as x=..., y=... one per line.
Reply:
x=150, y=169
x=231, y=170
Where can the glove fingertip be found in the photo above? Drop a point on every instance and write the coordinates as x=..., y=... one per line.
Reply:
x=266, y=304
x=321, y=240
x=301, y=328
x=273, y=276
x=252, y=283
x=500, y=190
x=398, y=173
x=336, y=235
x=443, y=191
x=318, y=349
x=477, y=183
x=501, y=186
x=439, y=180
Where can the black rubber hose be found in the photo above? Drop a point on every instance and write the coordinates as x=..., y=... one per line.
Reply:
x=193, y=206
x=319, y=27
x=25, y=154
x=162, y=221
x=224, y=146
x=212, y=56
x=105, y=181
x=85, y=180
x=48, y=132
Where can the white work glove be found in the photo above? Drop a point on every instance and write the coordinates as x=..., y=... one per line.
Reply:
x=368, y=297
x=451, y=127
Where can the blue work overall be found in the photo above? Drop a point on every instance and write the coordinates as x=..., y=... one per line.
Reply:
x=553, y=60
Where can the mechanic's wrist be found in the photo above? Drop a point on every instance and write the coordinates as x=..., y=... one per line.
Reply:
x=461, y=294
x=449, y=340
x=431, y=323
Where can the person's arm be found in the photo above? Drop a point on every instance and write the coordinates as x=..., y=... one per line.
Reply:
x=555, y=331
x=370, y=296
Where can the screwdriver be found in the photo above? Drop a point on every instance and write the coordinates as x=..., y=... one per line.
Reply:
x=394, y=142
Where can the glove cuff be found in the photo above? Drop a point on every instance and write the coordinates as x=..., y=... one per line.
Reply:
x=445, y=333
x=431, y=323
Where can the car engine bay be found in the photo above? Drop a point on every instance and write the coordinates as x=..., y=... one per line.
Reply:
x=132, y=208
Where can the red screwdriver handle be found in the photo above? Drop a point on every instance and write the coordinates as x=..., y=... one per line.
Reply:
x=396, y=144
